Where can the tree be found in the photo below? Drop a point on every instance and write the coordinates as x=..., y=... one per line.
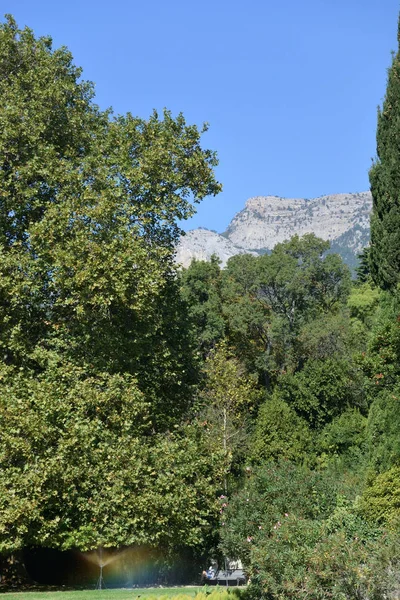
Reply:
x=381, y=498
x=280, y=433
x=228, y=399
x=298, y=281
x=267, y=300
x=385, y=186
x=363, y=268
x=383, y=430
x=363, y=302
x=89, y=221
x=80, y=467
x=381, y=359
x=344, y=438
x=247, y=316
x=322, y=390
x=97, y=358
x=200, y=290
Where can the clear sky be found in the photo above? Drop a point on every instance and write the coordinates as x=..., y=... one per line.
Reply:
x=290, y=87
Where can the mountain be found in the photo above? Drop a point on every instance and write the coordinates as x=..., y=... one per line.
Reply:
x=343, y=219
x=202, y=244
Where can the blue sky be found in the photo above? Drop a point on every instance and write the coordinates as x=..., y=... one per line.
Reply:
x=290, y=88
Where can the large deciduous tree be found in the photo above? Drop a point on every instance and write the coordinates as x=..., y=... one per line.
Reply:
x=81, y=468
x=95, y=353
x=201, y=290
x=269, y=299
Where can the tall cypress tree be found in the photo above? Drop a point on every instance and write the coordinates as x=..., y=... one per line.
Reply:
x=385, y=186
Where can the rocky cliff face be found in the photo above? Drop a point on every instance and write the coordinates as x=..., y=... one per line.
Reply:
x=201, y=244
x=343, y=219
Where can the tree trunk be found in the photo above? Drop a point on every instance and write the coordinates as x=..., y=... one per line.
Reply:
x=225, y=454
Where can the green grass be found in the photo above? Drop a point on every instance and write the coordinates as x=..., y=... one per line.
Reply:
x=124, y=594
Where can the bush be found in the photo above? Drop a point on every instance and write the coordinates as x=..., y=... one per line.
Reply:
x=380, y=502
x=270, y=493
x=304, y=558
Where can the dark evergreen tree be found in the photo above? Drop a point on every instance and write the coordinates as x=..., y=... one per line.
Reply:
x=385, y=186
x=363, y=269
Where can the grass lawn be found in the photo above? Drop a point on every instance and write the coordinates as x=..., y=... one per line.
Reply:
x=126, y=594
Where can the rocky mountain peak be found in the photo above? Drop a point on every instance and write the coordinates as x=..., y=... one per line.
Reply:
x=343, y=219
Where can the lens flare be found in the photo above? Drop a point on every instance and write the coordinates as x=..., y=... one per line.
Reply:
x=126, y=567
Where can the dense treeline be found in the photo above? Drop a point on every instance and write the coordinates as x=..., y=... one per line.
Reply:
x=303, y=362
x=312, y=507
x=249, y=412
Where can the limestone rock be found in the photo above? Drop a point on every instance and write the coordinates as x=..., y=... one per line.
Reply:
x=268, y=220
x=343, y=219
x=201, y=244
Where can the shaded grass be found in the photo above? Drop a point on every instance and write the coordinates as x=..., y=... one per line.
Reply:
x=117, y=594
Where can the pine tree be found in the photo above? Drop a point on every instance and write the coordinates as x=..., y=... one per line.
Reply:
x=385, y=186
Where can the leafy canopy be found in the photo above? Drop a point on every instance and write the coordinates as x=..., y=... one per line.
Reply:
x=96, y=356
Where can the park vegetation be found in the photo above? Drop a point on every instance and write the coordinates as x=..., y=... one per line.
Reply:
x=251, y=412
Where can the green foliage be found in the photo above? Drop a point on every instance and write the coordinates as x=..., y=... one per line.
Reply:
x=280, y=560
x=128, y=391
x=280, y=433
x=380, y=502
x=346, y=519
x=228, y=385
x=82, y=467
x=271, y=493
x=227, y=400
x=383, y=430
x=363, y=268
x=88, y=223
x=299, y=284
x=338, y=557
x=322, y=390
x=363, y=302
x=285, y=315
x=247, y=317
x=385, y=184
x=380, y=362
x=97, y=357
x=200, y=289
x=340, y=568
x=261, y=303
x=304, y=540
x=325, y=336
x=298, y=281
x=344, y=436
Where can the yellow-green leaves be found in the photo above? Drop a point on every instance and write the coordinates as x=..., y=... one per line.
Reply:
x=95, y=354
